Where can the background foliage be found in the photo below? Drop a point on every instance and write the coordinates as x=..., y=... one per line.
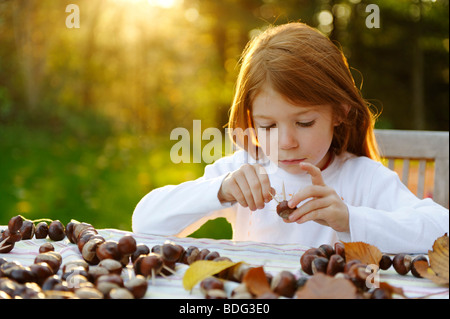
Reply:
x=86, y=114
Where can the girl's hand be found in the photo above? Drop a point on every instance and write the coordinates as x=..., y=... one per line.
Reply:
x=249, y=186
x=325, y=206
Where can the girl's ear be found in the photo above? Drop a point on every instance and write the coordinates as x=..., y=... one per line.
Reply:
x=338, y=120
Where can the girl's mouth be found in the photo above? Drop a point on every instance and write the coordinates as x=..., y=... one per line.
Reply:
x=292, y=161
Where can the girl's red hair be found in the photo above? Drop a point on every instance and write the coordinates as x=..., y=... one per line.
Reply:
x=305, y=67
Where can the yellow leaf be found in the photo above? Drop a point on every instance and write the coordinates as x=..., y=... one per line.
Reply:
x=202, y=269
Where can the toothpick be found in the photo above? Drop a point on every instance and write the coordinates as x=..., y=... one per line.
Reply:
x=284, y=191
x=169, y=270
x=274, y=197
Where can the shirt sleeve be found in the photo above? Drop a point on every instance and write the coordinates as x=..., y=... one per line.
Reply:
x=394, y=219
x=178, y=210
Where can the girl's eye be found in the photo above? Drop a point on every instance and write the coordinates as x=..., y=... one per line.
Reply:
x=306, y=124
x=267, y=127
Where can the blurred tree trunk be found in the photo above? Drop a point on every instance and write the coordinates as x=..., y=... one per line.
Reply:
x=417, y=85
x=31, y=49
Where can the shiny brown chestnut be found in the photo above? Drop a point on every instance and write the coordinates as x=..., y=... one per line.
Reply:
x=27, y=230
x=56, y=231
x=141, y=249
x=414, y=271
x=108, y=250
x=41, y=230
x=284, y=283
x=283, y=209
x=46, y=247
x=402, y=263
x=137, y=286
x=126, y=245
x=15, y=223
x=385, y=262
x=336, y=264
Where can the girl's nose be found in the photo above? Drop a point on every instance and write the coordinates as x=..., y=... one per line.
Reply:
x=286, y=139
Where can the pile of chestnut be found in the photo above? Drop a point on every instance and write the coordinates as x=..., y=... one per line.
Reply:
x=331, y=261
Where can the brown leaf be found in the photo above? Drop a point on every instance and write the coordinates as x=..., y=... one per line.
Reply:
x=438, y=269
x=364, y=252
x=321, y=286
x=256, y=281
x=392, y=289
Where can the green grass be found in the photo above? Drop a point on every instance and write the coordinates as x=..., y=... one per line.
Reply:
x=98, y=178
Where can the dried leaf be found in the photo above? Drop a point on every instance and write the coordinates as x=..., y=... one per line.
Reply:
x=367, y=254
x=202, y=269
x=392, y=289
x=438, y=269
x=321, y=286
x=256, y=281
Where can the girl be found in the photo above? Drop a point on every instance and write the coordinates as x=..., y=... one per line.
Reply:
x=312, y=137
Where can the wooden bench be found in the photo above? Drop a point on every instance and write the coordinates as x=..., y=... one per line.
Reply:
x=427, y=149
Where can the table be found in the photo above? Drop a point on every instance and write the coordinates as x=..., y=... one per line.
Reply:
x=274, y=258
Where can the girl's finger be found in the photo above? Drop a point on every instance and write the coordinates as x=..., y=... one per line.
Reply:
x=314, y=171
x=266, y=189
x=307, y=192
x=241, y=180
x=307, y=208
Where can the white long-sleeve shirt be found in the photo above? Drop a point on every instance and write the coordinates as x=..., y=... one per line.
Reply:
x=382, y=211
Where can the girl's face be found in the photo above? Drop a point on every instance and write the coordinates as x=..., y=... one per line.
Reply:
x=304, y=132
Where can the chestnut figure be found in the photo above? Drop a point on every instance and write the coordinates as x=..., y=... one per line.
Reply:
x=41, y=230
x=27, y=230
x=56, y=231
x=283, y=209
x=148, y=265
x=402, y=263
x=413, y=268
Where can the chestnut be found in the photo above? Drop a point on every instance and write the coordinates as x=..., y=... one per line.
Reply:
x=306, y=262
x=335, y=264
x=27, y=230
x=216, y=294
x=120, y=293
x=283, y=209
x=95, y=271
x=90, y=249
x=141, y=249
x=41, y=272
x=148, y=265
x=75, y=263
x=69, y=230
x=88, y=293
x=339, y=249
x=414, y=271
x=113, y=266
x=211, y=283
x=41, y=230
x=56, y=231
x=53, y=259
x=327, y=250
x=402, y=263
x=15, y=223
x=108, y=250
x=110, y=278
x=46, y=247
x=203, y=253
x=385, y=262
x=191, y=255
x=284, y=283
x=137, y=286
x=22, y=275
x=126, y=245
x=319, y=264
x=78, y=228
x=172, y=253
x=212, y=255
